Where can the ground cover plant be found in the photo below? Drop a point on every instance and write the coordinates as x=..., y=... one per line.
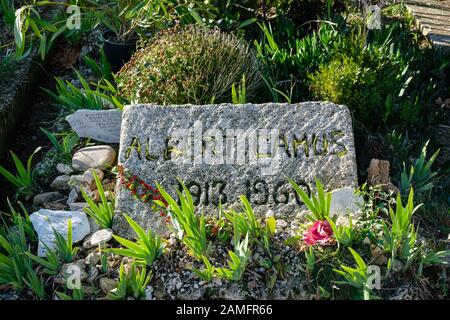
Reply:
x=395, y=84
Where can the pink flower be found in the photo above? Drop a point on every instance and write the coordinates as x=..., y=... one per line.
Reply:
x=319, y=233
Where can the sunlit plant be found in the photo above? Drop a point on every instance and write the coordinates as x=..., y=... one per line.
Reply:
x=23, y=178
x=130, y=284
x=103, y=212
x=319, y=206
x=186, y=223
x=145, y=250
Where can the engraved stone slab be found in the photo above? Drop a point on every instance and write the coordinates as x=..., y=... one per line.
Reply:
x=223, y=151
x=100, y=125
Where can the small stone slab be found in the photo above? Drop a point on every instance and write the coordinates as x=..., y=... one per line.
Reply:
x=223, y=151
x=44, y=221
x=344, y=201
x=100, y=125
x=100, y=237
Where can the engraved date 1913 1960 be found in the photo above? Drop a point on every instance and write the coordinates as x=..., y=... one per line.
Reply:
x=258, y=192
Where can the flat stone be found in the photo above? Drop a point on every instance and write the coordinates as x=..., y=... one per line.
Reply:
x=94, y=226
x=92, y=258
x=74, y=196
x=61, y=183
x=223, y=151
x=64, y=168
x=345, y=201
x=46, y=197
x=45, y=220
x=88, y=178
x=107, y=284
x=98, y=157
x=76, y=180
x=100, y=125
x=101, y=237
x=54, y=206
x=78, y=206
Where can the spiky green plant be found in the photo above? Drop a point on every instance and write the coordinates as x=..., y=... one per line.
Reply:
x=102, y=213
x=145, y=250
x=246, y=223
x=399, y=236
x=51, y=263
x=318, y=205
x=345, y=235
x=420, y=176
x=237, y=263
x=72, y=98
x=23, y=178
x=14, y=263
x=35, y=283
x=65, y=147
x=76, y=295
x=131, y=284
x=186, y=223
x=356, y=277
x=64, y=246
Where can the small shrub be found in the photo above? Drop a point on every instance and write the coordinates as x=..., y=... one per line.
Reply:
x=366, y=87
x=191, y=65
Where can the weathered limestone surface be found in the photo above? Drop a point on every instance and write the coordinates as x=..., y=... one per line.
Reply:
x=270, y=142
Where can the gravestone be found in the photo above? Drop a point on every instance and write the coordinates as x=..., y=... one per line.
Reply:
x=100, y=125
x=223, y=151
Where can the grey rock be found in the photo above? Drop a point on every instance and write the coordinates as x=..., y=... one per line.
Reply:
x=74, y=196
x=345, y=201
x=64, y=168
x=44, y=221
x=76, y=181
x=46, y=197
x=78, y=206
x=92, y=258
x=54, y=206
x=98, y=157
x=88, y=178
x=94, y=226
x=61, y=183
x=307, y=140
x=87, y=243
x=92, y=273
x=149, y=293
x=70, y=270
x=107, y=284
